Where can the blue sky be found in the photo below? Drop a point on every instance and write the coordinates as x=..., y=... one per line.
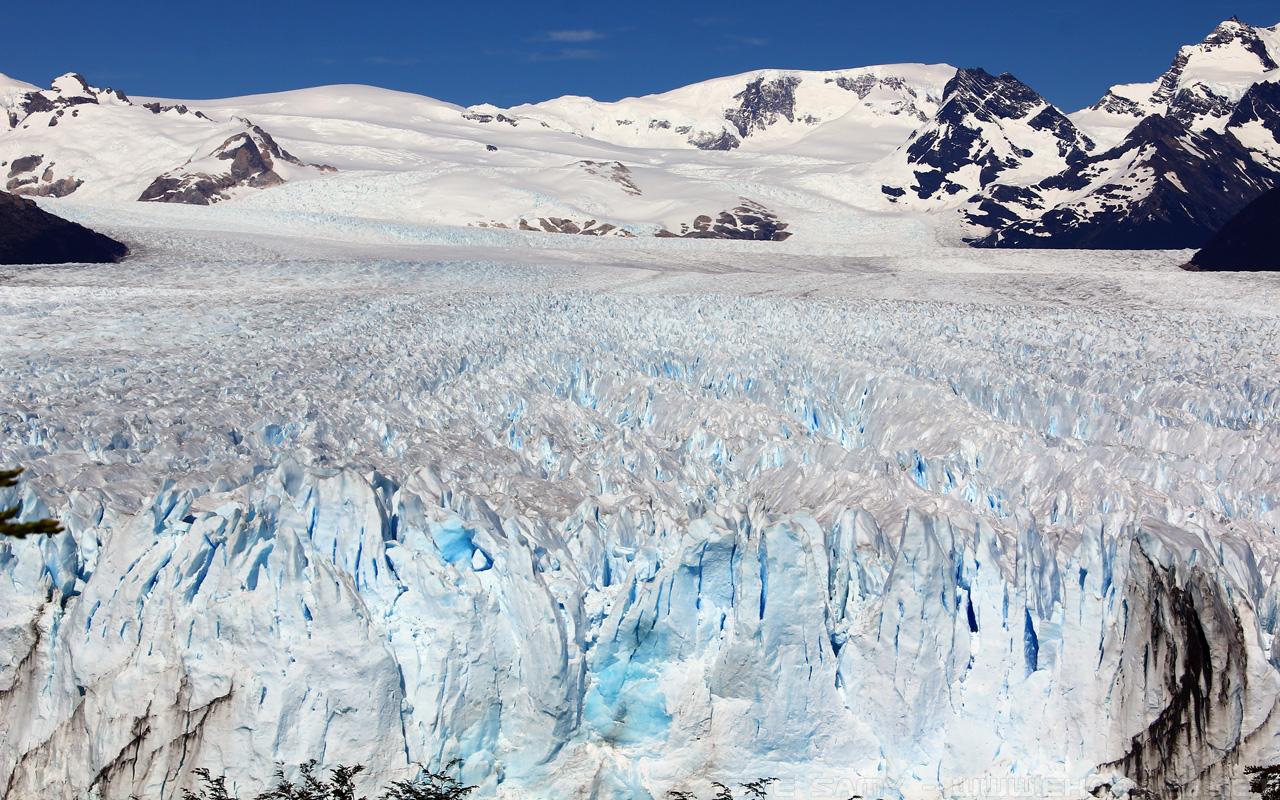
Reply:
x=508, y=52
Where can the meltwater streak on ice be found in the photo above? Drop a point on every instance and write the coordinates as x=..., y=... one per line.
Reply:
x=603, y=545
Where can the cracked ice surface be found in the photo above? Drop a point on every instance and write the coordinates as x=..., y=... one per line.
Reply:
x=605, y=529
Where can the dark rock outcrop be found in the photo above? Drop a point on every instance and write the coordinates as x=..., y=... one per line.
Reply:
x=179, y=108
x=762, y=103
x=475, y=116
x=25, y=164
x=26, y=177
x=1260, y=104
x=30, y=235
x=710, y=141
x=1113, y=103
x=864, y=85
x=1194, y=667
x=749, y=221
x=614, y=171
x=589, y=227
x=1248, y=242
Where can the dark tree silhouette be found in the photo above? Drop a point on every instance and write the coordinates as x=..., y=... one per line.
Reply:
x=429, y=786
x=45, y=527
x=755, y=790
x=1264, y=781
x=311, y=785
x=213, y=789
x=759, y=788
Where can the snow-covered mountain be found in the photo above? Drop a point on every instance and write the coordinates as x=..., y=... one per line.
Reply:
x=1195, y=147
x=74, y=138
x=770, y=154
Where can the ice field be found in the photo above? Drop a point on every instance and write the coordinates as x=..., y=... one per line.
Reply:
x=606, y=518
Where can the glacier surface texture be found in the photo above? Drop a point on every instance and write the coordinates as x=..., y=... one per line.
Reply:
x=924, y=523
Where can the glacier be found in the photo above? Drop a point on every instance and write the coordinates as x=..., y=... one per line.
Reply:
x=925, y=523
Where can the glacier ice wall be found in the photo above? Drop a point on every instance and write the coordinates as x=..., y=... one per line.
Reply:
x=601, y=545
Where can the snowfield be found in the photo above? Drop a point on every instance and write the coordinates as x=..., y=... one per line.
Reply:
x=604, y=518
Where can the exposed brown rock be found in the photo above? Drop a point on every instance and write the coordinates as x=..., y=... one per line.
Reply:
x=749, y=221
x=25, y=164
x=615, y=171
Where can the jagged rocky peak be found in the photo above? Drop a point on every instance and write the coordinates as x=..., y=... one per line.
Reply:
x=64, y=93
x=990, y=95
x=256, y=162
x=988, y=125
x=1195, y=158
x=1234, y=34
x=1204, y=81
x=1118, y=105
x=73, y=84
x=1232, y=53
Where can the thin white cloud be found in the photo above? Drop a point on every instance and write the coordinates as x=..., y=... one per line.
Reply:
x=393, y=61
x=568, y=54
x=574, y=36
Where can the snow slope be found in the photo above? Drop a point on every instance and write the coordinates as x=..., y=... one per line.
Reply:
x=873, y=108
x=418, y=160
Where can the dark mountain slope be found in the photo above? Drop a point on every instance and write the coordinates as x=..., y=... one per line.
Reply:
x=1249, y=242
x=30, y=235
